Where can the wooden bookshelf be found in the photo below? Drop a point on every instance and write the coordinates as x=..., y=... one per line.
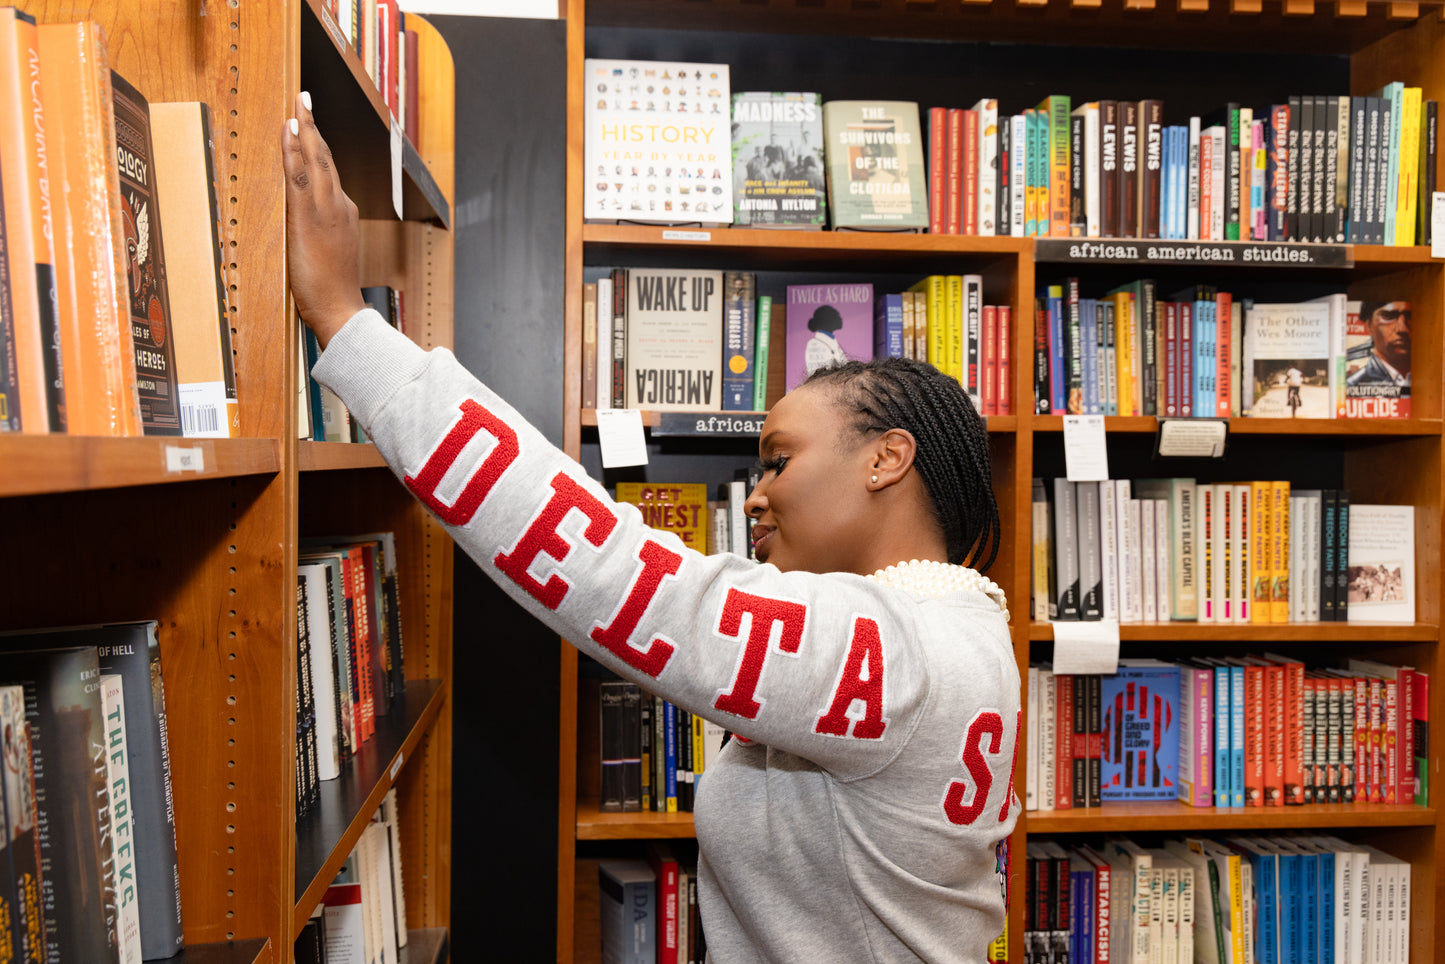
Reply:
x=202, y=535
x=1379, y=461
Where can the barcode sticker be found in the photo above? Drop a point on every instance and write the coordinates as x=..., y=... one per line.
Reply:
x=179, y=459
x=395, y=767
x=200, y=420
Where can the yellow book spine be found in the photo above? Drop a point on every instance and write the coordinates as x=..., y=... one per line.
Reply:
x=1123, y=354
x=1279, y=550
x=1236, y=908
x=1260, y=564
x=1409, y=167
x=955, y=328
x=930, y=333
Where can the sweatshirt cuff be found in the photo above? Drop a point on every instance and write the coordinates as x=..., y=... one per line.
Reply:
x=366, y=362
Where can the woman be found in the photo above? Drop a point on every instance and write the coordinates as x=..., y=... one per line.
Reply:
x=874, y=699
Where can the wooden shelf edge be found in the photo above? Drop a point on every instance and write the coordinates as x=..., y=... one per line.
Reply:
x=326, y=838
x=732, y=238
x=44, y=464
x=593, y=824
x=1267, y=632
x=1352, y=427
x=1129, y=817
x=1006, y=424
x=225, y=952
x=325, y=456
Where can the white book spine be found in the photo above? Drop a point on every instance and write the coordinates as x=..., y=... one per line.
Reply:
x=1091, y=169
x=1128, y=561
x=1296, y=559
x=1135, y=518
x=1314, y=513
x=1192, y=218
x=604, y=344
x=323, y=675
x=1229, y=503
x=1163, y=559
x=1207, y=517
x=1220, y=197
x=1031, y=746
x=1109, y=557
x=122, y=826
x=1148, y=560
x=1219, y=546
x=398, y=892
x=1018, y=173
x=1047, y=697
x=987, y=165
x=1241, y=525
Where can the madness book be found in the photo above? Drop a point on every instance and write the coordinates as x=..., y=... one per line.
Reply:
x=876, y=177
x=657, y=143
x=778, y=160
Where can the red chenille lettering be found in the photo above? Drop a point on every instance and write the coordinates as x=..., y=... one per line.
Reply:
x=474, y=419
x=1008, y=796
x=764, y=611
x=865, y=656
x=657, y=563
x=542, y=537
x=963, y=802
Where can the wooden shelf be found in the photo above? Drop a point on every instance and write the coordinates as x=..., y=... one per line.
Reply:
x=326, y=838
x=1166, y=816
x=593, y=824
x=324, y=456
x=1386, y=254
x=228, y=952
x=1345, y=427
x=357, y=126
x=38, y=464
x=1266, y=632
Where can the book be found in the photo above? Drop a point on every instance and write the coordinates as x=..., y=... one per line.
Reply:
x=680, y=508
x=778, y=160
x=656, y=142
x=674, y=339
x=149, y=293
x=589, y=345
x=23, y=886
x=1380, y=571
x=628, y=911
x=620, y=728
x=876, y=176
x=1288, y=361
x=739, y=346
x=95, y=332
x=118, y=782
x=827, y=324
x=663, y=863
x=1141, y=731
x=1377, y=359
x=185, y=178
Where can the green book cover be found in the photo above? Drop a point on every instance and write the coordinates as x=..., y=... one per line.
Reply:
x=875, y=165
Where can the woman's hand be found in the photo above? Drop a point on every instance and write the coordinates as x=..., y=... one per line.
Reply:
x=322, y=239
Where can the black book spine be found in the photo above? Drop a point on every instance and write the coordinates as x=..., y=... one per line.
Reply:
x=1328, y=538
x=1319, y=194
x=613, y=731
x=1342, y=555
x=1355, y=208
x=1077, y=220
x=1004, y=212
x=1429, y=135
x=1292, y=202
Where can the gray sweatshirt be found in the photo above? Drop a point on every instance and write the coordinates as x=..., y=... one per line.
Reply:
x=859, y=816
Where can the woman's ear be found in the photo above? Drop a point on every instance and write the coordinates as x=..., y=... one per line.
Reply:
x=893, y=454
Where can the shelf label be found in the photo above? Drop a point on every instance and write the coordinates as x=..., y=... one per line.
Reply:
x=1274, y=254
x=337, y=37
x=1086, y=647
x=395, y=767
x=619, y=432
x=1437, y=224
x=687, y=235
x=1191, y=438
x=397, y=137
x=185, y=459
x=711, y=424
x=1086, y=453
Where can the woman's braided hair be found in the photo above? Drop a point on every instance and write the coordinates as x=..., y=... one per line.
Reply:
x=952, y=453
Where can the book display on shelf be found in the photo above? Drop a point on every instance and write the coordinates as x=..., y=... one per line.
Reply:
x=217, y=554
x=778, y=160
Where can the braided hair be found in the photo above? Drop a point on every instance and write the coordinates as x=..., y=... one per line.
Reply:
x=952, y=454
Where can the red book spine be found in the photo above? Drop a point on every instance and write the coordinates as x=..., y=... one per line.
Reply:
x=1389, y=741
x=937, y=167
x=664, y=865
x=1254, y=737
x=989, y=392
x=1005, y=360
x=1206, y=196
x=1294, y=687
x=1420, y=690
x=1405, y=730
x=1376, y=713
x=970, y=172
x=1274, y=706
x=1361, y=737
x=1223, y=346
x=1064, y=742
x=953, y=190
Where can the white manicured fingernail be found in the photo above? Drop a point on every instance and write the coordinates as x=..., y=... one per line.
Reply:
x=306, y=98
x=295, y=128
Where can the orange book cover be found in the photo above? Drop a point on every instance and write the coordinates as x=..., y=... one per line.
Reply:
x=34, y=403
x=1294, y=694
x=1261, y=498
x=1255, y=737
x=937, y=166
x=1279, y=553
x=680, y=508
x=95, y=329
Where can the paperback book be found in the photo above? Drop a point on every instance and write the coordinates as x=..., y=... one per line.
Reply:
x=827, y=325
x=1288, y=370
x=1377, y=359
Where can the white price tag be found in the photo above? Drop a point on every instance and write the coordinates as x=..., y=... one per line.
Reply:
x=395, y=767
x=397, y=137
x=1086, y=454
x=1437, y=224
x=619, y=430
x=180, y=459
x=1086, y=647
x=1189, y=438
x=687, y=235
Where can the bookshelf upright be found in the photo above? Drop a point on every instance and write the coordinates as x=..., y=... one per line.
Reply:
x=1206, y=49
x=101, y=530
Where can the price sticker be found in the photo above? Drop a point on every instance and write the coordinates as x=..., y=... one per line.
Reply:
x=1086, y=454
x=1086, y=647
x=619, y=431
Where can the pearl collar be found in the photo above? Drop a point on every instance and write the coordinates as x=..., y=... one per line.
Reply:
x=934, y=580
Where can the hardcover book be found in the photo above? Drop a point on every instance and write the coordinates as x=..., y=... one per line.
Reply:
x=740, y=346
x=1377, y=359
x=628, y=911
x=1288, y=362
x=1141, y=732
x=674, y=339
x=680, y=508
x=778, y=160
x=1380, y=577
x=122, y=817
x=827, y=324
x=149, y=297
x=22, y=831
x=657, y=142
x=875, y=166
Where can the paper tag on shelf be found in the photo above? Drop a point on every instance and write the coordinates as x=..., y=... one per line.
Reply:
x=397, y=137
x=619, y=431
x=1192, y=438
x=1086, y=454
x=185, y=459
x=687, y=235
x=395, y=767
x=1437, y=224
x=1086, y=647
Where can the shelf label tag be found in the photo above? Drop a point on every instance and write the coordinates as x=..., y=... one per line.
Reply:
x=1191, y=438
x=183, y=459
x=1437, y=224
x=687, y=235
x=1086, y=454
x=1086, y=647
x=619, y=431
x=397, y=137
x=395, y=766
x=710, y=424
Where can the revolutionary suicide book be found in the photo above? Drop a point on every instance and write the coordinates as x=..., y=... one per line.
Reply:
x=150, y=311
x=778, y=160
x=876, y=178
x=827, y=324
x=657, y=145
x=674, y=339
x=1377, y=359
x=1141, y=732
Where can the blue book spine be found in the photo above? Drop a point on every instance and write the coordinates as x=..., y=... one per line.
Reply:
x=1266, y=884
x=888, y=327
x=1309, y=908
x=1181, y=183
x=1236, y=736
x=1289, y=905
x=1222, y=736
x=1058, y=380
x=1213, y=357
x=1086, y=917
x=669, y=767
x=1089, y=338
x=1326, y=916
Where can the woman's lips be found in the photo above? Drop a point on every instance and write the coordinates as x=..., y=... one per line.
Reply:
x=762, y=536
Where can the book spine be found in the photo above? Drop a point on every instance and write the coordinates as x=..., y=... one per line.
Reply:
x=1223, y=735
x=968, y=193
x=1151, y=127
x=1064, y=742
x=761, y=361
x=954, y=174
x=988, y=167
x=619, y=338
x=937, y=166
x=739, y=349
x=1232, y=172
x=1128, y=169
x=1004, y=315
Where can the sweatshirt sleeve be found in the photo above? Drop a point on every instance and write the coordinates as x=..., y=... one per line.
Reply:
x=828, y=667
